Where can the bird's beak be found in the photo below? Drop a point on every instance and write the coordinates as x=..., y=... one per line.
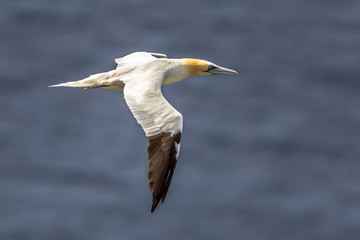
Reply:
x=222, y=70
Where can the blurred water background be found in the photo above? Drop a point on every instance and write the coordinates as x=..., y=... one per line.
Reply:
x=272, y=153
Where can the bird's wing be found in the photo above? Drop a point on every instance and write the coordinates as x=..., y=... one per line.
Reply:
x=139, y=55
x=159, y=55
x=163, y=151
x=162, y=125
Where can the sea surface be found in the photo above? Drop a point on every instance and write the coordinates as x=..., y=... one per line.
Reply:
x=270, y=153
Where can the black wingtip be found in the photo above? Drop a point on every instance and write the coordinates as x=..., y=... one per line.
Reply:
x=154, y=204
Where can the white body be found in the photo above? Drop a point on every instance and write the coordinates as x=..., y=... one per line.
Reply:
x=140, y=75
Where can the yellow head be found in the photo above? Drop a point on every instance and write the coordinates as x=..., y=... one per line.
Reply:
x=197, y=67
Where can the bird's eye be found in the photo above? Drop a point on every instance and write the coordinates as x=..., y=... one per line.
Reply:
x=211, y=67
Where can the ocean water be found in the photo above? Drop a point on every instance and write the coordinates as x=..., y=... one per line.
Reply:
x=271, y=153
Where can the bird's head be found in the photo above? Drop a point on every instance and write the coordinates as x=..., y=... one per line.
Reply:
x=197, y=67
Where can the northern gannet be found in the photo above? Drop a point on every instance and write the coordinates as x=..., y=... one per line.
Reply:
x=140, y=75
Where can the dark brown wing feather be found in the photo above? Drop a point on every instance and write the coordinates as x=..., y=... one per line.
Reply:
x=161, y=164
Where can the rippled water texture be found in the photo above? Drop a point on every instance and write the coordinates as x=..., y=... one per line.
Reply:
x=271, y=153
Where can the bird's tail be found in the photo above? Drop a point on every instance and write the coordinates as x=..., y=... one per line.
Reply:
x=104, y=80
x=82, y=83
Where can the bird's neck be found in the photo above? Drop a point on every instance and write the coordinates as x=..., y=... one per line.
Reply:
x=177, y=71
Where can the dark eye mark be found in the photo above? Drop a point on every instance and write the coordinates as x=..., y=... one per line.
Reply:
x=211, y=67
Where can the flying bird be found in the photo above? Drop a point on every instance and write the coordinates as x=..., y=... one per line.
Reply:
x=140, y=75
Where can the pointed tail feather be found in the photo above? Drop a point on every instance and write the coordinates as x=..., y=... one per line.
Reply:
x=106, y=80
x=80, y=83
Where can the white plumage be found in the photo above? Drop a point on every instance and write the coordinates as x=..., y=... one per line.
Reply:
x=140, y=75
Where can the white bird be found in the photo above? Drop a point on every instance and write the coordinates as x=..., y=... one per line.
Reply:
x=140, y=75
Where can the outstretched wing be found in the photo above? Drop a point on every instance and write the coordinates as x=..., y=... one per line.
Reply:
x=162, y=125
x=136, y=56
x=163, y=151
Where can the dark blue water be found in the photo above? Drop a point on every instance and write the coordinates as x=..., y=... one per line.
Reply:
x=272, y=153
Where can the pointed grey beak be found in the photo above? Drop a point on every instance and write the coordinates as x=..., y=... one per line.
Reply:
x=222, y=70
